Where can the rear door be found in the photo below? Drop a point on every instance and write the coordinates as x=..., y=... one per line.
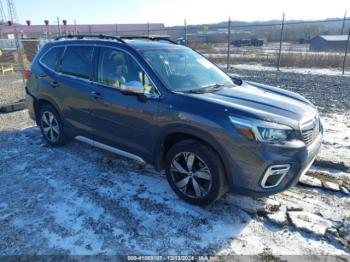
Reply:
x=124, y=121
x=48, y=76
x=74, y=83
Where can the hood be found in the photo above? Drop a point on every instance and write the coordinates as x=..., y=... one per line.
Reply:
x=263, y=102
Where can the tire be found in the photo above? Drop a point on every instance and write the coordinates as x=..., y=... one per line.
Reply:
x=195, y=172
x=51, y=126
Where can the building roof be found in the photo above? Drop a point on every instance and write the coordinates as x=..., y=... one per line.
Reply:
x=332, y=38
x=139, y=44
x=146, y=45
x=96, y=28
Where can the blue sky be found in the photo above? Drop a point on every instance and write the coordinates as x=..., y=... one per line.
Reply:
x=173, y=12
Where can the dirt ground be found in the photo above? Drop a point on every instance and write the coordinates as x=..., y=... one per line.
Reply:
x=11, y=88
x=80, y=200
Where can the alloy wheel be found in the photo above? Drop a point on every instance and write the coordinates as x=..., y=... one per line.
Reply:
x=50, y=127
x=191, y=175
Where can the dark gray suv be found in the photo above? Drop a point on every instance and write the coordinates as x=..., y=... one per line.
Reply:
x=157, y=102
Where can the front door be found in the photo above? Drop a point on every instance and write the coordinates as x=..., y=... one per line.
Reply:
x=123, y=121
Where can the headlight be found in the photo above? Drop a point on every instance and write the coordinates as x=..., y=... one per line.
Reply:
x=263, y=131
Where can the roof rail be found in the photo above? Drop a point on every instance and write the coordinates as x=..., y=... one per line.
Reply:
x=152, y=38
x=91, y=36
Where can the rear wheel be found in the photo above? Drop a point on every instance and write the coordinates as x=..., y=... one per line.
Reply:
x=195, y=172
x=51, y=126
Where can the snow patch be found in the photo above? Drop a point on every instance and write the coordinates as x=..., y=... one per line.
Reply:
x=313, y=71
x=309, y=222
x=310, y=181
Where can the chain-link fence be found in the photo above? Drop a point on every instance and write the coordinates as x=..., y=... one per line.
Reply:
x=315, y=44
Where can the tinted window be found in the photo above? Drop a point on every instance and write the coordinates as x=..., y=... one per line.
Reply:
x=77, y=61
x=116, y=67
x=50, y=59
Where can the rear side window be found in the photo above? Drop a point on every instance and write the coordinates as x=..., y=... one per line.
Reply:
x=77, y=61
x=50, y=59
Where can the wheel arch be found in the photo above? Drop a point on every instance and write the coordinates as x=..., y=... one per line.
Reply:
x=177, y=133
x=40, y=102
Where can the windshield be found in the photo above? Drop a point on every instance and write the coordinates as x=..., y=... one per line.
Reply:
x=184, y=70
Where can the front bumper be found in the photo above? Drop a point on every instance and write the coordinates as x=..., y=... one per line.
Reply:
x=247, y=172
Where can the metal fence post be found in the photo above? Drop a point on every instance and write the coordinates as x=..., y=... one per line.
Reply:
x=346, y=52
x=228, y=43
x=280, y=50
x=75, y=27
x=19, y=53
x=58, y=26
x=185, y=23
x=343, y=24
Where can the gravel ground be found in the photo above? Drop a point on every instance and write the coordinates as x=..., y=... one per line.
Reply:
x=81, y=200
x=11, y=88
x=329, y=93
x=15, y=121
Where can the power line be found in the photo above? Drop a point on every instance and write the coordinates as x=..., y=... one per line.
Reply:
x=12, y=11
x=2, y=13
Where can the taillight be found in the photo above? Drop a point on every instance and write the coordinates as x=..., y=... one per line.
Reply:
x=27, y=73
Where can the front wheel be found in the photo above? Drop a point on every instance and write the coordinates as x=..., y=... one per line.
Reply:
x=195, y=172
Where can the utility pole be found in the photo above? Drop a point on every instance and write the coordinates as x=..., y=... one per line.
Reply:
x=148, y=29
x=14, y=20
x=343, y=25
x=228, y=44
x=281, y=39
x=75, y=27
x=116, y=29
x=346, y=51
x=185, y=24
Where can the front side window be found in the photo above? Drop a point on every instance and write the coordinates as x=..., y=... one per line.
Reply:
x=116, y=68
x=50, y=59
x=77, y=61
x=183, y=70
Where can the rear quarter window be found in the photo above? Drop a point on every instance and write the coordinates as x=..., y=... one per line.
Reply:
x=77, y=61
x=50, y=59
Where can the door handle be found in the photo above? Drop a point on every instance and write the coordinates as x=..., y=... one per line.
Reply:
x=96, y=95
x=54, y=84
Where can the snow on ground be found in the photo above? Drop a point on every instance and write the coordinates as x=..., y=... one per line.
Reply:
x=336, y=144
x=313, y=71
x=80, y=200
x=331, y=172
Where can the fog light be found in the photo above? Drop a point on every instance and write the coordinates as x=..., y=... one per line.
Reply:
x=274, y=175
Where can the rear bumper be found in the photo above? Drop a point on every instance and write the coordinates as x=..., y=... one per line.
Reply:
x=247, y=175
x=30, y=106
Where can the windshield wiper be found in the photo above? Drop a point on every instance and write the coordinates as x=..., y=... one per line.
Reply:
x=207, y=89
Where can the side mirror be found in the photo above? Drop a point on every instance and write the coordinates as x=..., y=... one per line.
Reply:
x=237, y=80
x=132, y=88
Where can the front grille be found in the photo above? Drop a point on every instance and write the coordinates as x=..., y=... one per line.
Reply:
x=310, y=130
